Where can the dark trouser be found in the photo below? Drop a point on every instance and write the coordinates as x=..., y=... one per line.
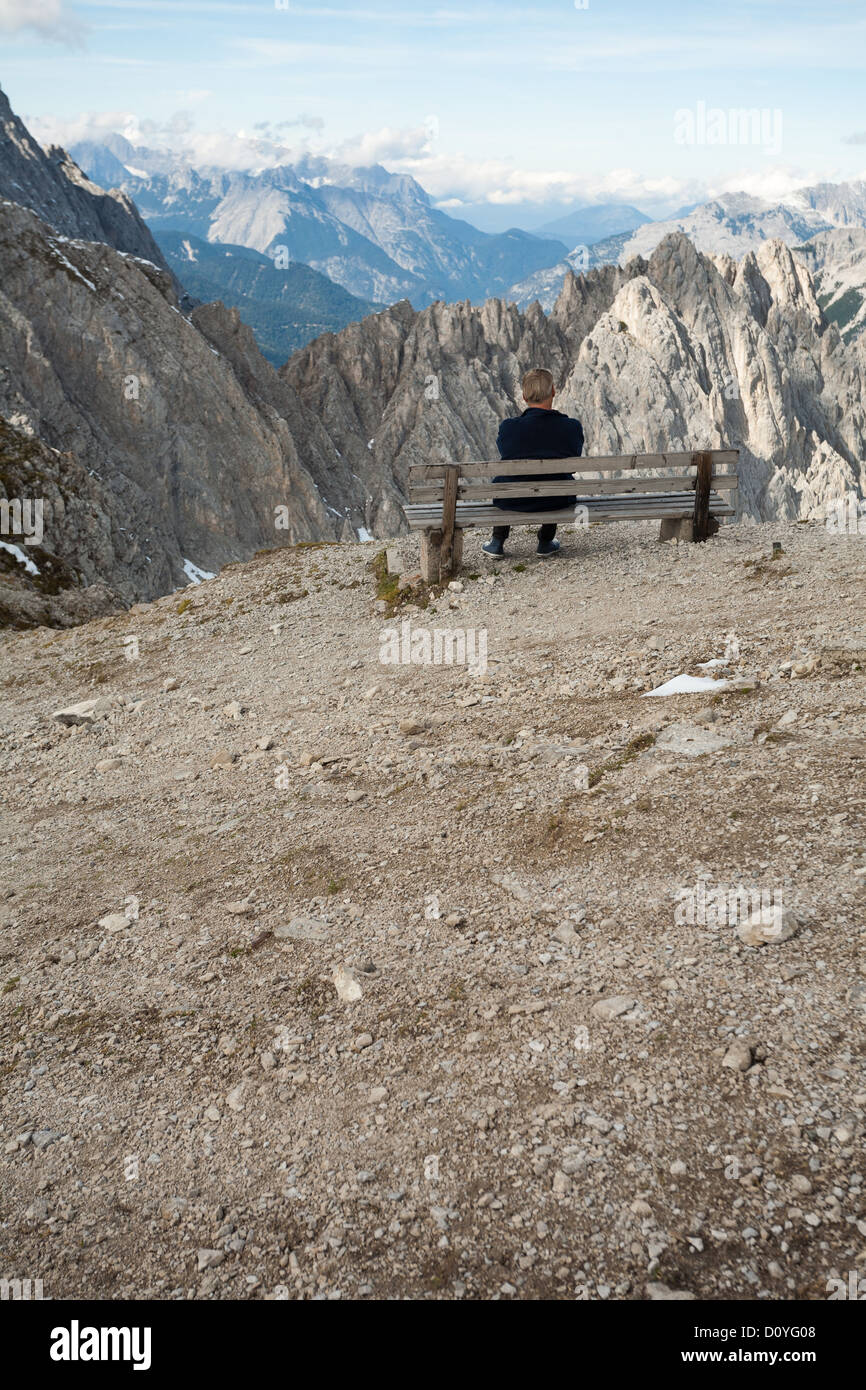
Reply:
x=546, y=533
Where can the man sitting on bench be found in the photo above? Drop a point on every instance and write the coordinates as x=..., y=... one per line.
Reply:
x=539, y=433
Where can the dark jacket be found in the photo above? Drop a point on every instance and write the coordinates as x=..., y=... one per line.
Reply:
x=538, y=434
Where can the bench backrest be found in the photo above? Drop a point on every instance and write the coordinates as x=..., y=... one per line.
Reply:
x=440, y=482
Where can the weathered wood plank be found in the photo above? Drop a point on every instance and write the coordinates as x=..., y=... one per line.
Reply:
x=621, y=500
x=570, y=488
x=449, y=509
x=432, y=569
x=610, y=509
x=431, y=544
x=603, y=463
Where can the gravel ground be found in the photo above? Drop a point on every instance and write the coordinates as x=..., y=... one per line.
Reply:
x=329, y=978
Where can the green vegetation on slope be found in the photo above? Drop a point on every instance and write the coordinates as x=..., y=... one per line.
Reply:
x=285, y=308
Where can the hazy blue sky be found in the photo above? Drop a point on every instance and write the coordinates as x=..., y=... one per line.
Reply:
x=503, y=103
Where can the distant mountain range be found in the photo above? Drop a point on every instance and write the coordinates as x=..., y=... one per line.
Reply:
x=739, y=222
x=372, y=232
x=729, y=225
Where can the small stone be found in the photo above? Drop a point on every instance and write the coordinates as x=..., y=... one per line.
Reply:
x=173, y=1208
x=114, y=921
x=241, y=908
x=212, y=1114
x=411, y=726
x=87, y=711
x=801, y=1184
x=738, y=1056
x=346, y=985
x=566, y=934
x=302, y=929
x=170, y=683
x=614, y=1007
x=235, y=1098
x=678, y=1168
x=43, y=1137
x=233, y=710
x=222, y=758
x=658, y=1293
x=766, y=929
x=109, y=764
x=209, y=1259
x=355, y=796
x=377, y=1095
x=561, y=1183
x=363, y=1040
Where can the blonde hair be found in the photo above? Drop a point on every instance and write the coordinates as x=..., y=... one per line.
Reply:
x=538, y=385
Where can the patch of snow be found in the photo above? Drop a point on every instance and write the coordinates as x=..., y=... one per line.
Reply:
x=74, y=268
x=142, y=260
x=19, y=555
x=369, y=443
x=191, y=253
x=194, y=574
x=687, y=685
x=136, y=173
x=364, y=534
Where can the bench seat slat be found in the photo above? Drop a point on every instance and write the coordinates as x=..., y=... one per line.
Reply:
x=603, y=463
x=570, y=487
x=623, y=508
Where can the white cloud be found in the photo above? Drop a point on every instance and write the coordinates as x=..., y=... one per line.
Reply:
x=178, y=134
x=772, y=185
x=50, y=19
x=452, y=180
x=389, y=145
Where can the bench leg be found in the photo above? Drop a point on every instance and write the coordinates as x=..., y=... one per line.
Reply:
x=431, y=548
x=683, y=528
x=432, y=571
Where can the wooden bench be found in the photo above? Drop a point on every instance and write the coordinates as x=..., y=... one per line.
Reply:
x=446, y=498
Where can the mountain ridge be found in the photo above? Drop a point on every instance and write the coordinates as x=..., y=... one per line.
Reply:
x=52, y=185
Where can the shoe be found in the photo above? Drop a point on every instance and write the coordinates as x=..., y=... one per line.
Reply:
x=550, y=548
x=494, y=548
